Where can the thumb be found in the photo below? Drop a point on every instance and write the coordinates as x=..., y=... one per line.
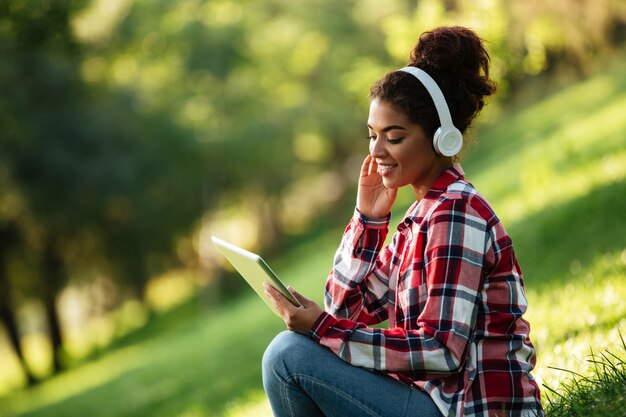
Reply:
x=303, y=300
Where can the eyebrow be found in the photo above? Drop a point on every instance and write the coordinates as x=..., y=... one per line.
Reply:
x=388, y=128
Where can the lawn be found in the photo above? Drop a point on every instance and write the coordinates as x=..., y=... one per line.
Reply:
x=555, y=172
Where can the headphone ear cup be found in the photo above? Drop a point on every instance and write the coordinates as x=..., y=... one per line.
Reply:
x=436, y=140
x=448, y=142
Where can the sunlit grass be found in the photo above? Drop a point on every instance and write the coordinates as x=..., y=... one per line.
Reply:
x=12, y=375
x=587, y=312
x=602, y=393
x=255, y=404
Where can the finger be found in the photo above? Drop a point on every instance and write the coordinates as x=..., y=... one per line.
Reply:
x=281, y=302
x=272, y=294
x=366, y=165
x=373, y=166
x=302, y=299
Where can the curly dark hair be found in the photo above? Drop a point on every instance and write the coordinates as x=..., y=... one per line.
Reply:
x=457, y=60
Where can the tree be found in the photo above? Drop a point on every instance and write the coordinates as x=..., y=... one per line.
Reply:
x=102, y=185
x=8, y=238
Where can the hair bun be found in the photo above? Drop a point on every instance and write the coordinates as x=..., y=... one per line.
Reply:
x=457, y=59
x=451, y=49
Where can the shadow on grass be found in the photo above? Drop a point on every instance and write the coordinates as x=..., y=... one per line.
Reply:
x=546, y=117
x=548, y=242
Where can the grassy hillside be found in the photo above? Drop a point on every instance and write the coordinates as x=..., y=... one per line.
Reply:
x=555, y=173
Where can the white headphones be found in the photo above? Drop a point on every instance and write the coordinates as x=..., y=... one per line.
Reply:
x=447, y=140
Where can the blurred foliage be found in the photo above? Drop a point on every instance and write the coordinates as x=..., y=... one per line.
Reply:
x=130, y=131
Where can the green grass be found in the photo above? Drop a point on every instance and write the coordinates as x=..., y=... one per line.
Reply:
x=554, y=171
x=601, y=394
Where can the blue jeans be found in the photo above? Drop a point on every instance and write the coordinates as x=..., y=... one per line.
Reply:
x=303, y=379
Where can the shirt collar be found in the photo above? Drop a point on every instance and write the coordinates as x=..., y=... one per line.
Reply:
x=441, y=184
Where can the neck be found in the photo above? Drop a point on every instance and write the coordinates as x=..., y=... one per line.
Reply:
x=420, y=190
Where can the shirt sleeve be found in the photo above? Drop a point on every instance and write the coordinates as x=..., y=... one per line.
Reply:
x=358, y=285
x=435, y=342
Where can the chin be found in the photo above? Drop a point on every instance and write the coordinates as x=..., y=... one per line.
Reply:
x=391, y=184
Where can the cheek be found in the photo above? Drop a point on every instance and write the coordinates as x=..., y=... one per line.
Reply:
x=416, y=157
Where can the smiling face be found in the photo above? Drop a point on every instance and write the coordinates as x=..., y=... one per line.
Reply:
x=403, y=153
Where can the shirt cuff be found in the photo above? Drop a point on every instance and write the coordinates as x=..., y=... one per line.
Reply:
x=321, y=325
x=372, y=222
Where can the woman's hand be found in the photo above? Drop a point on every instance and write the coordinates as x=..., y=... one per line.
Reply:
x=373, y=198
x=298, y=319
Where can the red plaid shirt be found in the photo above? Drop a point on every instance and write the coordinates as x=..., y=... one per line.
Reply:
x=451, y=288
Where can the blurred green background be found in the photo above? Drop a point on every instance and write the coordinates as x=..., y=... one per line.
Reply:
x=132, y=131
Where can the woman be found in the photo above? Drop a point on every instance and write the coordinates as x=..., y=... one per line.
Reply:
x=448, y=283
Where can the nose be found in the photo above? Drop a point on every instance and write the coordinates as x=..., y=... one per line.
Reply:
x=377, y=148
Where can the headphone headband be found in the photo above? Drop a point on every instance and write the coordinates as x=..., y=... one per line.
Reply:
x=447, y=140
x=435, y=92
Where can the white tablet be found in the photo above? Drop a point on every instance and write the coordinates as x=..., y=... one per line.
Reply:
x=254, y=270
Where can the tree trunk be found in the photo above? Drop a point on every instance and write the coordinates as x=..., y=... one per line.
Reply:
x=54, y=329
x=8, y=237
x=53, y=272
x=8, y=318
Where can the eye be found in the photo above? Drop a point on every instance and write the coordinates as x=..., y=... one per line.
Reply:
x=370, y=137
x=395, y=141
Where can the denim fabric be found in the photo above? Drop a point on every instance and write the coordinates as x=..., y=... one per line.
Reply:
x=302, y=379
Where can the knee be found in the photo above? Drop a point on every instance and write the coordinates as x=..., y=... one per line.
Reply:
x=285, y=351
